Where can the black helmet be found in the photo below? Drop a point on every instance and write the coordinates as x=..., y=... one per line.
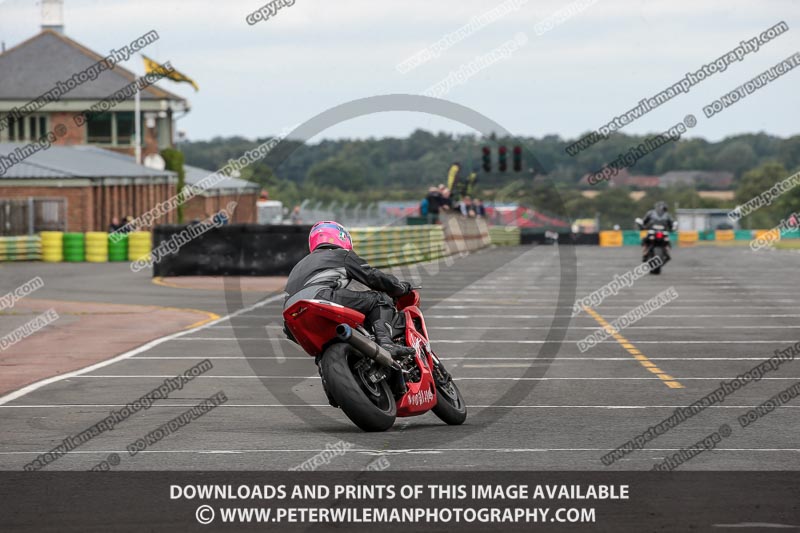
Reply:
x=661, y=207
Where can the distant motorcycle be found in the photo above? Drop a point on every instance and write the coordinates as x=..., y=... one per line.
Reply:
x=656, y=244
x=361, y=378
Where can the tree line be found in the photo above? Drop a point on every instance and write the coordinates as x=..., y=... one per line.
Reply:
x=391, y=168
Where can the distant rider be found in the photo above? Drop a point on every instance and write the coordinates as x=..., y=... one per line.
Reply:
x=658, y=216
x=326, y=272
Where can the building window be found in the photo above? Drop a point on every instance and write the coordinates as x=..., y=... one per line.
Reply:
x=27, y=129
x=125, y=127
x=98, y=128
x=112, y=128
x=14, y=129
x=37, y=126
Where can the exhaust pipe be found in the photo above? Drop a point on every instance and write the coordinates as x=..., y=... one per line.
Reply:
x=365, y=345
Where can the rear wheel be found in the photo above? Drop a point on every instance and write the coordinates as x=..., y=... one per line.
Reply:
x=369, y=405
x=450, y=405
x=658, y=252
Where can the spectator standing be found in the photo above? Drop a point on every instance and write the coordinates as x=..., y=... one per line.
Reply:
x=434, y=205
x=295, y=217
x=127, y=225
x=115, y=225
x=467, y=209
x=447, y=201
x=480, y=209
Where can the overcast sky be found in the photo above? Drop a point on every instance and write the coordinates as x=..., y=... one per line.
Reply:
x=257, y=80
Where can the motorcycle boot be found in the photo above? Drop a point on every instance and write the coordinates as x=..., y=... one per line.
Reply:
x=381, y=326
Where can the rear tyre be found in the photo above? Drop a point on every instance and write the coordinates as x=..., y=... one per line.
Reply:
x=658, y=252
x=450, y=405
x=370, y=406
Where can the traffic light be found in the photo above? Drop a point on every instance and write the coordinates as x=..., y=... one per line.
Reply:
x=517, y=159
x=487, y=159
x=502, y=163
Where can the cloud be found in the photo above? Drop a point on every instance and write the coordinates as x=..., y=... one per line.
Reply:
x=317, y=54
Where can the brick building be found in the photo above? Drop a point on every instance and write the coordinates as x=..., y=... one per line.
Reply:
x=90, y=165
x=84, y=186
x=211, y=200
x=36, y=66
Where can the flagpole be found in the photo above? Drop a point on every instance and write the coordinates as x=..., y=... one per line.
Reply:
x=137, y=127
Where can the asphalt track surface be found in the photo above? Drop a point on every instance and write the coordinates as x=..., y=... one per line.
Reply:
x=535, y=401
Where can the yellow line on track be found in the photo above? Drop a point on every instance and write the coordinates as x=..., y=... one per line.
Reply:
x=668, y=380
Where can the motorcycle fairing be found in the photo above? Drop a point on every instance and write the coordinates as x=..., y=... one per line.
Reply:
x=313, y=323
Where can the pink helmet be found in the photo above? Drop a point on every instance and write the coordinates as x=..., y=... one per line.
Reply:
x=329, y=232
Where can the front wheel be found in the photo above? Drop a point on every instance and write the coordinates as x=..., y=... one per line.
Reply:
x=450, y=405
x=369, y=405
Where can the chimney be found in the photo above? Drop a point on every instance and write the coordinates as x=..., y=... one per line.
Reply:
x=53, y=15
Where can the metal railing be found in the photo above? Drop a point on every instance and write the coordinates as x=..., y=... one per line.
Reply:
x=375, y=214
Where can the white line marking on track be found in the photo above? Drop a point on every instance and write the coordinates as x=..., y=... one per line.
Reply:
x=709, y=302
x=523, y=328
x=277, y=405
x=384, y=451
x=652, y=315
x=476, y=358
x=160, y=376
x=550, y=316
x=625, y=307
x=559, y=358
x=497, y=365
x=121, y=357
x=507, y=341
x=316, y=376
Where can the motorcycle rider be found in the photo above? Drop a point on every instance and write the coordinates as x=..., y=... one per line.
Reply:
x=659, y=215
x=326, y=272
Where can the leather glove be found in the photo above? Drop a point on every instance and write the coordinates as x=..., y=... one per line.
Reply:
x=406, y=287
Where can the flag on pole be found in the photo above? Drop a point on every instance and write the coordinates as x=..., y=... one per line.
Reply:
x=153, y=67
x=452, y=177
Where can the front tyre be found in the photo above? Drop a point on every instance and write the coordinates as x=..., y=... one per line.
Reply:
x=450, y=405
x=370, y=406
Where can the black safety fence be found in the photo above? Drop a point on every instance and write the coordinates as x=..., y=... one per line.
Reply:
x=230, y=250
x=529, y=236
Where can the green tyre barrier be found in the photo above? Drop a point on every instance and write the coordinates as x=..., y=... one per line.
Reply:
x=118, y=249
x=74, y=248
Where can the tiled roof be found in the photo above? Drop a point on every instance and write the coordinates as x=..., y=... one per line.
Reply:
x=76, y=162
x=35, y=66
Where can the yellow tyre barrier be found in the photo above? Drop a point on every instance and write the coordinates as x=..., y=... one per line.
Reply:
x=96, y=246
x=52, y=246
x=139, y=245
x=769, y=235
x=725, y=235
x=610, y=238
x=688, y=237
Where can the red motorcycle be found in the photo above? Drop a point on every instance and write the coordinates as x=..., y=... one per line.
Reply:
x=362, y=378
